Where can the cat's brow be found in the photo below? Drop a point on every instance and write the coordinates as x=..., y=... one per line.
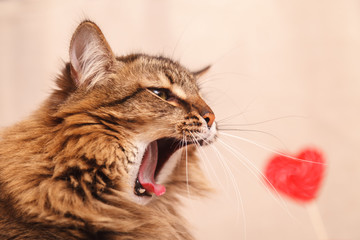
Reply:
x=178, y=91
x=169, y=77
x=124, y=99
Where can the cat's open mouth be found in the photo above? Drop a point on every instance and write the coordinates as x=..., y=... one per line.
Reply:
x=156, y=155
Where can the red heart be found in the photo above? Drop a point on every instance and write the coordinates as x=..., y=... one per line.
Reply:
x=298, y=177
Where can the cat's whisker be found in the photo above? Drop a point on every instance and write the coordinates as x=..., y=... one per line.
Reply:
x=256, y=123
x=256, y=172
x=179, y=40
x=217, y=179
x=219, y=76
x=232, y=116
x=255, y=131
x=230, y=175
x=186, y=28
x=262, y=146
x=224, y=169
x=186, y=168
x=229, y=172
x=240, y=203
x=224, y=165
x=201, y=150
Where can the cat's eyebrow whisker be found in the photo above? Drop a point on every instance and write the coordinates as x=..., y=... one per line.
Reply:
x=182, y=34
x=226, y=54
x=207, y=91
x=255, y=171
x=219, y=76
x=269, y=149
x=224, y=93
x=178, y=41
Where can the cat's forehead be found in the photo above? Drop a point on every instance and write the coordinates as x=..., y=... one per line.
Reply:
x=161, y=72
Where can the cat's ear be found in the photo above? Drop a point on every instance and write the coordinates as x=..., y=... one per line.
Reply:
x=201, y=72
x=90, y=54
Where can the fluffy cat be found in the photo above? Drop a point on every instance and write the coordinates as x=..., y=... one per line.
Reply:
x=108, y=153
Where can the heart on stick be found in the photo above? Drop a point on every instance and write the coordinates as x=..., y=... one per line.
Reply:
x=299, y=177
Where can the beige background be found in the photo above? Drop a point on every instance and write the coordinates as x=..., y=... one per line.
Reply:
x=295, y=62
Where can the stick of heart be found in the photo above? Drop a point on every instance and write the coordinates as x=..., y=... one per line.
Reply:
x=317, y=221
x=300, y=178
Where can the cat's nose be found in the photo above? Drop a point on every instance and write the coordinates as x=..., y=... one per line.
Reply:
x=209, y=118
x=205, y=111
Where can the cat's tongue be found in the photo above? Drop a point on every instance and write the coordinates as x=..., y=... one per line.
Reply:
x=147, y=170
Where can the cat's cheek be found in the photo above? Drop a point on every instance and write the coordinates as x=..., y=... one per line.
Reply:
x=130, y=180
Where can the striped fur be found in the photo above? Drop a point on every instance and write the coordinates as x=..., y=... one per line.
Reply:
x=66, y=172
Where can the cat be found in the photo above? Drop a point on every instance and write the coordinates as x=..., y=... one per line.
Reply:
x=108, y=154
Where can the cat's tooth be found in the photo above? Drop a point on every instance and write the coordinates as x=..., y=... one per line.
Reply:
x=141, y=190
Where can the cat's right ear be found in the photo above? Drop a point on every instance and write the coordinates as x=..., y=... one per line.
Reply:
x=90, y=55
x=201, y=72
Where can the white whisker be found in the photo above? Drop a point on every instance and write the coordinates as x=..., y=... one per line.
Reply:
x=255, y=131
x=217, y=179
x=240, y=203
x=269, y=149
x=257, y=123
x=202, y=152
x=231, y=176
x=250, y=166
x=186, y=169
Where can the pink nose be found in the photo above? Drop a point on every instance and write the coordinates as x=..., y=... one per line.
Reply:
x=209, y=118
x=204, y=110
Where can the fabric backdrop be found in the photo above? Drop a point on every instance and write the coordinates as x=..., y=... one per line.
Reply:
x=288, y=68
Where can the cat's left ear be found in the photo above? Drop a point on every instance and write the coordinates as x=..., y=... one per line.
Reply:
x=201, y=72
x=90, y=54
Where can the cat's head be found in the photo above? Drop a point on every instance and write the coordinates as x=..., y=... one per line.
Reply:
x=145, y=109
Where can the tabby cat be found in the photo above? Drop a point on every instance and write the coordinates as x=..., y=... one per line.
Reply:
x=109, y=152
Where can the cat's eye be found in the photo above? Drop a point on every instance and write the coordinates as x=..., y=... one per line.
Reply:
x=162, y=93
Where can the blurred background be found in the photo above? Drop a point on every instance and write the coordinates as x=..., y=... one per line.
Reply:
x=285, y=75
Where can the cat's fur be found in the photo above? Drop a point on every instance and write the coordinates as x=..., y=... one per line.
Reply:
x=67, y=172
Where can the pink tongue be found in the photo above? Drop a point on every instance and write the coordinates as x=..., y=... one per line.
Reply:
x=147, y=170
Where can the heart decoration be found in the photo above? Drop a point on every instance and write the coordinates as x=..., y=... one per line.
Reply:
x=299, y=177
